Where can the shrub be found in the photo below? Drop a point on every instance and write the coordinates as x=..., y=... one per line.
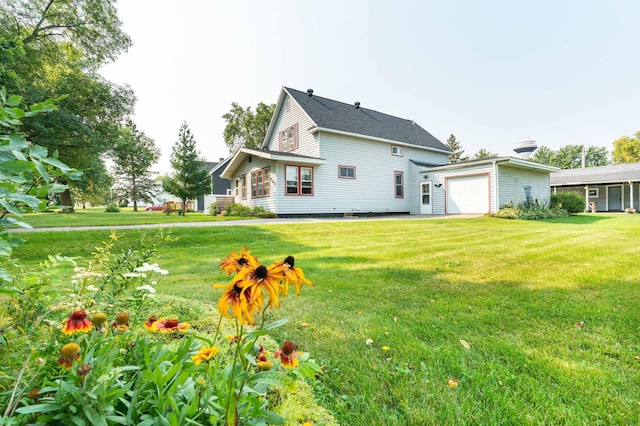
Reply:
x=213, y=209
x=533, y=210
x=112, y=208
x=570, y=201
x=236, y=209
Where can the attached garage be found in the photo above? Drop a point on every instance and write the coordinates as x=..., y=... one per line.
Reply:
x=468, y=194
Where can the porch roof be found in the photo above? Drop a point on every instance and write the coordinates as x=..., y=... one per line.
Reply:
x=615, y=173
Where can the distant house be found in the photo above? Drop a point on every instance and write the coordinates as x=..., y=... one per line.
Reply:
x=613, y=188
x=325, y=157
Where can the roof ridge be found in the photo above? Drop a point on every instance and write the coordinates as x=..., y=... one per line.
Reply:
x=351, y=105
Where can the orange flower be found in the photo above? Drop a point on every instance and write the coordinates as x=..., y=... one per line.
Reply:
x=76, y=323
x=260, y=277
x=261, y=359
x=235, y=262
x=149, y=324
x=292, y=275
x=287, y=354
x=170, y=325
x=69, y=353
x=240, y=301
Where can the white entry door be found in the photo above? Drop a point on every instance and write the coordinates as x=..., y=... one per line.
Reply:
x=425, y=198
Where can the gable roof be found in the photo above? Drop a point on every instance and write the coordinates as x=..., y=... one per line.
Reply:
x=328, y=114
x=599, y=174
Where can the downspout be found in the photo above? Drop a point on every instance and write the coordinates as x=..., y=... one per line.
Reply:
x=495, y=203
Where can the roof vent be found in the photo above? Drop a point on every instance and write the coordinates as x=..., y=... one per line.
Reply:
x=310, y=92
x=357, y=105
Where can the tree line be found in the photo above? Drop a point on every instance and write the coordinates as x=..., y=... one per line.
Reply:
x=53, y=49
x=625, y=150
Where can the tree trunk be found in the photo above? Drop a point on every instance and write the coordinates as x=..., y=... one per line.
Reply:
x=66, y=201
x=135, y=205
x=184, y=206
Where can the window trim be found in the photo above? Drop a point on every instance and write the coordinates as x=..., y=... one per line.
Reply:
x=288, y=144
x=299, y=192
x=395, y=183
x=261, y=188
x=340, y=167
x=400, y=150
x=243, y=186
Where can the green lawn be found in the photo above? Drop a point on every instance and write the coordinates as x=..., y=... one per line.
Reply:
x=549, y=308
x=96, y=216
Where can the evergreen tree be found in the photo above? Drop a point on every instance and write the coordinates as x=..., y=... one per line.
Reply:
x=484, y=153
x=456, y=147
x=189, y=179
x=134, y=153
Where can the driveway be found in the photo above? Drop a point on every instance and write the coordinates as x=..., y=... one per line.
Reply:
x=248, y=222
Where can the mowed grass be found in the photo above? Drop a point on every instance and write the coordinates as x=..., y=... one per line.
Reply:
x=96, y=216
x=549, y=308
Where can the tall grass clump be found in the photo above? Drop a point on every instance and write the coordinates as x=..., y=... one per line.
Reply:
x=572, y=202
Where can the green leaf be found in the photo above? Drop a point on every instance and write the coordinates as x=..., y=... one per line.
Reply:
x=17, y=142
x=5, y=248
x=40, y=408
x=276, y=324
x=94, y=417
x=56, y=163
x=272, y=378
x=14, y=100
x=38, y=152
x=41, y=169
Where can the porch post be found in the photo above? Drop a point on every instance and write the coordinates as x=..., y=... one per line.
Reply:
x=630, y=194
x=586, y=197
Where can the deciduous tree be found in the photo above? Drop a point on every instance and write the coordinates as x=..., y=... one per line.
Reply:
x=245, y=128
x=134, y=154
x=189, y=178
x=627, y=149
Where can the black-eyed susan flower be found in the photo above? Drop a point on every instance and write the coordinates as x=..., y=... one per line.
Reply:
x=170, y=325
x=69, y=353
x=292, y=275
x=76, y=323
x=261, y=277
x=122, y=322
x=288, y=354
x=240, y=301
x=98, y=319
x=204, y=354
x=149, y=324
x=235, y=262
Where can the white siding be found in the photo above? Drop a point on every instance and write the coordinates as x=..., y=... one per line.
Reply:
x=307, y=144
x=269, y=203
x=373, y=189
x=512, y=182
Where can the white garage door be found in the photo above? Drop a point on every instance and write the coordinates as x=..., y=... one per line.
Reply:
x=468, y=194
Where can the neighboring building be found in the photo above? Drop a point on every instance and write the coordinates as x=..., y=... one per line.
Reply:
x=614, y=188
x=324, y=157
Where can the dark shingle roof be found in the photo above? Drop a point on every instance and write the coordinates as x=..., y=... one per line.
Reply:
x=600, y=174
x=330, y=114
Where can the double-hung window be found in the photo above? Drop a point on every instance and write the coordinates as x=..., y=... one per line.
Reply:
x=399, y=184
x=299, y=180
x=243, y=186
x=289, y=138
x=260, y=183
x=396, y=150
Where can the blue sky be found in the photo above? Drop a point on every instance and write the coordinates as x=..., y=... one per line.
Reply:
x=491, y=72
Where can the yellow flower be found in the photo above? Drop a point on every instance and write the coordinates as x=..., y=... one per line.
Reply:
x=260, y=277
x=235, y=262
x=292, y=275
x=452, y=383
x=205, y=354
x=385, y=348
x=98, y=319
x=149, y=324
x=240, y=301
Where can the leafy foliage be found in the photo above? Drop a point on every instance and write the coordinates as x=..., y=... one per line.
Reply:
x=245, y=128
x=27, y=172
x=533, y=210
x=570, y=156
x=627, y=149
x=570, y=201
x=483, y=153
x=134, y=154
x=236, y=209
x=189, y=179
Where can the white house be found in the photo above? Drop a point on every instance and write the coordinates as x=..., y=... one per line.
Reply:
x=325, y=157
